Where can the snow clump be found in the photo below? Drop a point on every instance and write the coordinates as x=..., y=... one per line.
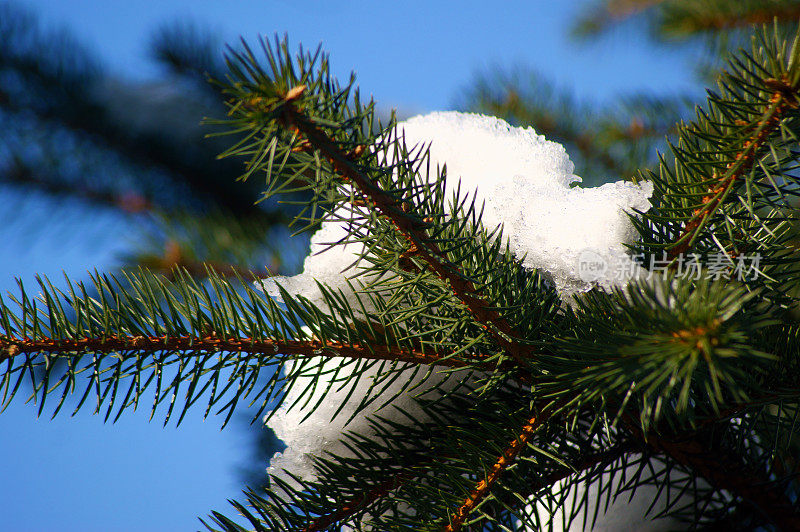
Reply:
x=526, y=184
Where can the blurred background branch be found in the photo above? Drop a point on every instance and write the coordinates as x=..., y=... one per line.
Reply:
x=72, y=131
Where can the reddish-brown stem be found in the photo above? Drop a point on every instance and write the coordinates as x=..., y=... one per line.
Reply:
x=10, y=346
x=498, y=328
x=783, y=99
x=129, y=202
x=506, y=459
x=616, y=11
x=381, y=490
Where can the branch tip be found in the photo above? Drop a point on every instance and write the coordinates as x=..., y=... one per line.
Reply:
x=294, y=93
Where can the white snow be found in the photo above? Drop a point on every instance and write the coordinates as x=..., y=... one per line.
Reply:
x=626, y=513
x=324, y=264
x=526, y=183
x=322, y=431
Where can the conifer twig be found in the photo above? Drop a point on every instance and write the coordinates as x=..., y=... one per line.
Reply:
x=611, y=12
x=11, y=347
x=168, y=264
x=425, y=248
x=385, y=488
x=784, y=98
x=508, y=457
x=600, y=458
x=621, y=9
x=22, y=175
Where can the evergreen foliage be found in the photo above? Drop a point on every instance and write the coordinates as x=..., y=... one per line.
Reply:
x=69, y=125
x=685, y=385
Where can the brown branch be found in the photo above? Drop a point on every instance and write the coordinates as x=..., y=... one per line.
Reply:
x=621, y=9
x=383, y=489
x=783, y=99
x=497, y=326
x=506, y=459
x=613, y=12
x=11, y=346
x=616, y=11
x=20, y=174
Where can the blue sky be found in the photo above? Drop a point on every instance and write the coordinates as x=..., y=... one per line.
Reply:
x=81, y=474
x=414, y=53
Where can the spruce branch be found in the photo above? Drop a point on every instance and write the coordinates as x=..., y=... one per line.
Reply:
x=730, y=189
x=302, y=117
x=579, y=471
x=784, y=100
x=504, y=461
x=229, y=245
x=597, y=19
x=670, y=19
x=433, y=288
x=367, y=179
x=420, y=244
x=22, y=174
x=674, y=345
x=145, y=327
x=11, y=346
x=172, y=260
x=60, y=86
x=357, y=504
x=189, y=50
